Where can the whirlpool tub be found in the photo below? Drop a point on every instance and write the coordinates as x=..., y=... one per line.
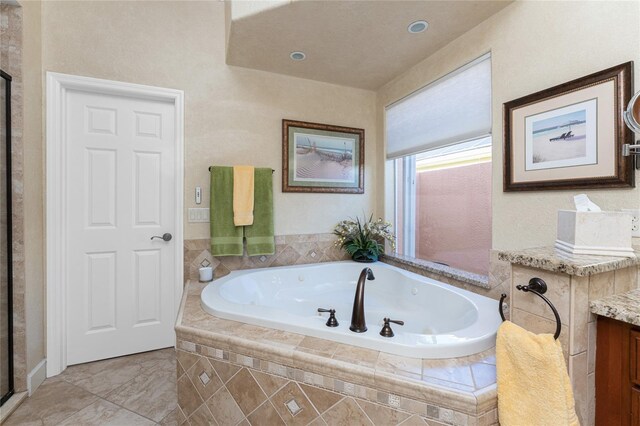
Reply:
x=440, y=320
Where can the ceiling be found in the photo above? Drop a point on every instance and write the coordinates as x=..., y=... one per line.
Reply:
x=361, y=44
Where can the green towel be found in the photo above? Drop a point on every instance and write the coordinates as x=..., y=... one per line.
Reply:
x=226, y=238
x=259, y=236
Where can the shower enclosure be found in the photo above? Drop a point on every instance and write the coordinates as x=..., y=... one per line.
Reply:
x=6, y=296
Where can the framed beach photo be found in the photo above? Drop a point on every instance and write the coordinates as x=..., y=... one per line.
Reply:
x=322, y=158
x=570, y=136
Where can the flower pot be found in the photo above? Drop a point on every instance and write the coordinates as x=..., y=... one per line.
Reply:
x=365, y=256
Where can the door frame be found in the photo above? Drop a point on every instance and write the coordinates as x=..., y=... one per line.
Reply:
x=55, y=200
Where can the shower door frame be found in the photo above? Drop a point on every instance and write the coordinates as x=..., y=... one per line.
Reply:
x=7, y=118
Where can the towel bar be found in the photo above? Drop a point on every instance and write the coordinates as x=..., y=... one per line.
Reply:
x=272, y=171
x=538, y=287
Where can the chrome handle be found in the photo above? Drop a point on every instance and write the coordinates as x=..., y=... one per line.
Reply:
x=166, y=237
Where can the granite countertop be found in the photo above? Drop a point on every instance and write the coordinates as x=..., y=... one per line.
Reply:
x=622, y=307
x=549, y=259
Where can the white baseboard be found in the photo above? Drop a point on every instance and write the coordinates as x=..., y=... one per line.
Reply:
x=36, y=376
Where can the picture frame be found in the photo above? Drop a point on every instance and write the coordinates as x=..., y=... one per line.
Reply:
x=322, y=158
x=570, y=136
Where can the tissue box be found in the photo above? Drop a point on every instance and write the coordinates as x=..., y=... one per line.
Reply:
x=594, y=233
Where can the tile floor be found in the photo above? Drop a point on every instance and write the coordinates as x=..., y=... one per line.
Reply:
x=137, y=389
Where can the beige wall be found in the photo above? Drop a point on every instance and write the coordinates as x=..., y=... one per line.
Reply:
x=534, y=45
x=232, y=115
x=33, y=184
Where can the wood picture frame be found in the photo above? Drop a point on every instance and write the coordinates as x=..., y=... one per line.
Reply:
x=322, y=158
x=570, y=136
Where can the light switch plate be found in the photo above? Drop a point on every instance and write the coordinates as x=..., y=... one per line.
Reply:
x=198, y=195
x=198, y=215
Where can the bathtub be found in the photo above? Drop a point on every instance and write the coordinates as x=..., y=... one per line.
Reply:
x=441, y=321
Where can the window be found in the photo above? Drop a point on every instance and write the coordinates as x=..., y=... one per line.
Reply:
x=438, y=140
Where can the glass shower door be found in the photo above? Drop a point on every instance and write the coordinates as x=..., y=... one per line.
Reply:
x=6, y=314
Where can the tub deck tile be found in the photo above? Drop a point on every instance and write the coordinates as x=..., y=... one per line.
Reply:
x=461, y=389
x=356, y=355
x=320, y=347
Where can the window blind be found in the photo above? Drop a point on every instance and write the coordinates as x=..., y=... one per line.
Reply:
x=454, y=108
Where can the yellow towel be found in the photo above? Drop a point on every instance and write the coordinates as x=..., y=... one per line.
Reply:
x=533, y=384
x=243, y=195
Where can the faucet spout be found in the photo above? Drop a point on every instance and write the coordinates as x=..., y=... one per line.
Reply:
x=358, y=323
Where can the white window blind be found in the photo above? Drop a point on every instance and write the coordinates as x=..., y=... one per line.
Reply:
x=454, y=108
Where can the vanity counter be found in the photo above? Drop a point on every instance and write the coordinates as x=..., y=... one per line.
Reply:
x=548, y=259
x=623, y=307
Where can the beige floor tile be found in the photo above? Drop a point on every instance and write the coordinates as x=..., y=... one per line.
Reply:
x=105, y=413
x=52, y=403
x=152, y=393
x=102, y=377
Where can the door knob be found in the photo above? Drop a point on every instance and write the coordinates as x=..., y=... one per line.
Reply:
x=166, y=236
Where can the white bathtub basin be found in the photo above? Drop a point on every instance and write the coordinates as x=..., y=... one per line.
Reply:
x=441, y=321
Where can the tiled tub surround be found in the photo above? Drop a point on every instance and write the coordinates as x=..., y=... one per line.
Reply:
x=315, y=248
x=251, y=374
x=290, y=250
x=572, y=284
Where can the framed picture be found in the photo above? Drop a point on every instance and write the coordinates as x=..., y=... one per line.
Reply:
x=322, y=158
x=570, y=136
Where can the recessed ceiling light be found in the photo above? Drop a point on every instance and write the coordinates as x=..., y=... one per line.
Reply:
x=418, y=27
x=297, y=56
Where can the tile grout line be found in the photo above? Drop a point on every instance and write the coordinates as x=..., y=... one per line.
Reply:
x=363, y=411
x=144, y=371
x=104, y=398
x=314, y=406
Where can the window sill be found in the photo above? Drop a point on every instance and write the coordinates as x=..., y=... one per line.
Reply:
x=406, y=262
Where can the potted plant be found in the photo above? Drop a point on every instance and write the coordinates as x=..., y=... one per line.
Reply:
x=364, y=241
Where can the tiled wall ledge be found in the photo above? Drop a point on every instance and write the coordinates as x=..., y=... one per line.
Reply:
x=435, y=270
x=572, y=285
x=254, y=372
x=290, y=250
x=494, y=285
x=548, y=259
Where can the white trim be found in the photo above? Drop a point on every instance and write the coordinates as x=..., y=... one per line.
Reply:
x=36, y=376
x=56, y=274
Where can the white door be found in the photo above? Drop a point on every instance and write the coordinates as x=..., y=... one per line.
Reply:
x=120, y=182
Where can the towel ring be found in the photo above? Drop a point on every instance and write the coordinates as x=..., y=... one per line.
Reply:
x=538, y=287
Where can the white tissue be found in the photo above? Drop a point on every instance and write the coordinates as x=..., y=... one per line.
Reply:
x=584, y=204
